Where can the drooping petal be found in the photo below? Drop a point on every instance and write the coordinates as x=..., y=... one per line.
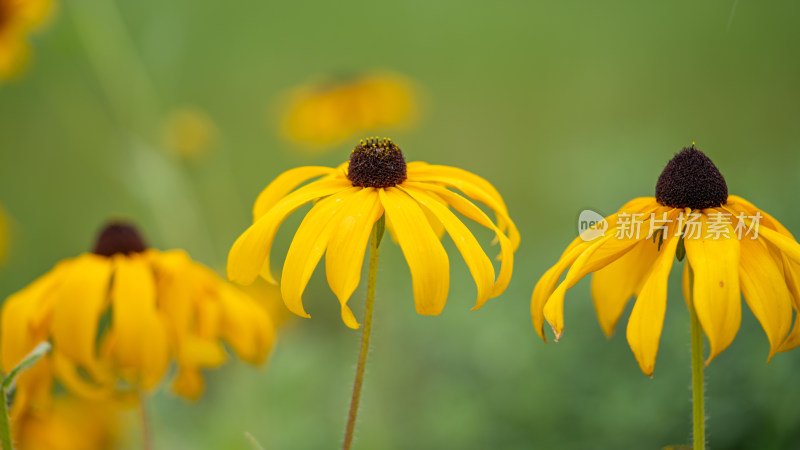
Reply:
x=308, y=245
x=347, y=246
x=284, y=184
x=140, y=336
x=715, y=263
x=473, y=187
x=81, y=301
x=765, y=291
x=69, y=375
x=189, y=383
x=469, y=210
x=245, y=325
x=787, y=245
x=615, y=284
x=647, y=316
x=250, y=253
x=427, y=260
x=478, y=263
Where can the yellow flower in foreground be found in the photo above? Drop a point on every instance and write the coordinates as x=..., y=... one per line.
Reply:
x=324, y=114
x=189, y=133
x=68, y=423
x=731, y=246
x=349, y=200
x=124, y=312
x=17, y=19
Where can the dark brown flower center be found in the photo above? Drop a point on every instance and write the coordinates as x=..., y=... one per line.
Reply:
x=377, y=163
x=119, y=237
x=691, y=180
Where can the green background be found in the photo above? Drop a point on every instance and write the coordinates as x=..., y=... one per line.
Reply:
x=562, y=105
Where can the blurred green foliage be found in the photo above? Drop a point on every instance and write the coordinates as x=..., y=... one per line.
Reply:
x=562, y=105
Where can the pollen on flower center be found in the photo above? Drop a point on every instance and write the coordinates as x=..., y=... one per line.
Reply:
x=691, y=180
x=119, y=237
x=377, y=163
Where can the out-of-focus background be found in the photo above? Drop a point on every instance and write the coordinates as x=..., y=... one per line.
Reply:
x=174, y=114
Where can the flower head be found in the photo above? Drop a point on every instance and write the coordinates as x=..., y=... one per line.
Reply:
x=123, y=312
x=17, y=19
x=414, y=199
x=730, y=246
x=323, y=114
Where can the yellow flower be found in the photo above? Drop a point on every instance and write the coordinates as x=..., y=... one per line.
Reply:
x=323, y=114
x=17, y=19
x=349, y=200
x=68, y=423
x=124, y=312
x=731, y=247
x=189, y=133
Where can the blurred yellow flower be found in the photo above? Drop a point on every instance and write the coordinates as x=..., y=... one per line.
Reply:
x=321, y=115
x=68, y=423
x=349, y=200
x=727, y=251
x=124, y=312
x=17, y=19
x=190, y=133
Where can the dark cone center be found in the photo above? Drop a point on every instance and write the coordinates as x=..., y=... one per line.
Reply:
x=691, y=180
x=377, y=163
x=119, y=237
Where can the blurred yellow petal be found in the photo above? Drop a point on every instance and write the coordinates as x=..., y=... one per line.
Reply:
x=246, y=326
x=647, y=316
x=308, y=246
x=478, y=263
x=69, y=375
x=427, y=260
x=189, y=383
x=716, y=286
x=284, y=184
x=250, y=253
x=765, y=291
x=347, y=247
x=81, y=301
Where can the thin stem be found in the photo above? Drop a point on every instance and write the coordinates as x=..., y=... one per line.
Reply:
x=144, y=424
x=377, y=233
x=5, y=427
x=698, y=413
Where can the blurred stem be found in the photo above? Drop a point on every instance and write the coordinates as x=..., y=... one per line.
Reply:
x=377, y=234
x=5, y=428
x=698, y=413
x=144, y=423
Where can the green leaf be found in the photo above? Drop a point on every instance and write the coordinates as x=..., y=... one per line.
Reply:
x=26, y=363
x=253, y=442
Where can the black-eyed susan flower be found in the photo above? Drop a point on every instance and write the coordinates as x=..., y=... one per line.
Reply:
x=122, y=313
x=349, y=200
x=322, y=114
x=17, y=19
x=731, y=246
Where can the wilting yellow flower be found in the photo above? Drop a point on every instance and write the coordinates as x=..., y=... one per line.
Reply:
x=124, y=312
x=731, y=246
x=323, y=114
x=17, y=19
x=189, y=133
x=349, y=200
x=68, y=423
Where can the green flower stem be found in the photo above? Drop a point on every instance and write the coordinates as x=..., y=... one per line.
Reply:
x=377, y=234
x=5, y=428
x=698, y=410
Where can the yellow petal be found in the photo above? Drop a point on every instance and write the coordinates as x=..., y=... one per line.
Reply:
x=347, y=246
x=69, y=375
x=308, y=245
x=473, y=187
x=284, y=184
x=245, y=325
x=787, y=245
x=250, y=253
x=615, y=284
x=765, y=291
x=189, y=383
x=80, y=302
x=647, y=317
x=478, y=263
x=201, y=352
x=140, y=337
x=716, y=286
x=427, y=260
x=469, y=210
